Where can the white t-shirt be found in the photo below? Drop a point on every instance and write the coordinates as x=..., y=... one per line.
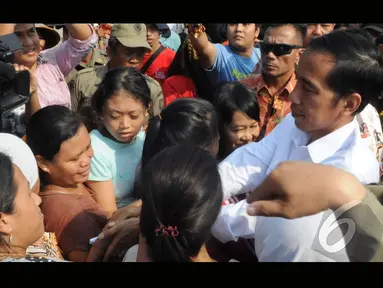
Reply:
x=21, y=156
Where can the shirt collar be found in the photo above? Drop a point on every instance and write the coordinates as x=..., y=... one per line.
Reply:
x=289, y=87
x=326, y=146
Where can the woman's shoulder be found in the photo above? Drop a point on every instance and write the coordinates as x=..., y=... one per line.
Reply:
x=32, y=259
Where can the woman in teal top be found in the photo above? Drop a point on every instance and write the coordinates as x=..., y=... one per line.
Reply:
x=120, y=105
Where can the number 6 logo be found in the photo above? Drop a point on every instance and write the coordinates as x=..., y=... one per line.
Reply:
x=329, y=225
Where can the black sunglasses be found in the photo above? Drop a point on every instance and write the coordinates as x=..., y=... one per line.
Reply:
x=277, y=49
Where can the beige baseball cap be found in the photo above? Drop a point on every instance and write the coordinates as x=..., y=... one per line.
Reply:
x=131, y=35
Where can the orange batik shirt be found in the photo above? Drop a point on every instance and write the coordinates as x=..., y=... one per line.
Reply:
x=272, y=108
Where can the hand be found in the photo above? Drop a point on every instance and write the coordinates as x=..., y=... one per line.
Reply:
x=133, y=210
x=124, y=234
x=33, y=78
x=297, y=189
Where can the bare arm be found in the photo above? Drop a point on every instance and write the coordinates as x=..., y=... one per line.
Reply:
x=7, y=28
x=103, y=193
x=79, y=31
x=206, y=51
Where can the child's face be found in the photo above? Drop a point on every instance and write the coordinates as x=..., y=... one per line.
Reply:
x=124, y=116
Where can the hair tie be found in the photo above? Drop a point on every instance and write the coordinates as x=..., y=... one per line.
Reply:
x=167, y=231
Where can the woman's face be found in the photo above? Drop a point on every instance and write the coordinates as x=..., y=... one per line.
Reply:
x=124, y=116
x=242, y=130
x=29, y=38
x=71, y=165
x=25, y=224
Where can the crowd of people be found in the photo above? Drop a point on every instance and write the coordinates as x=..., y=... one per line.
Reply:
x=195, y=142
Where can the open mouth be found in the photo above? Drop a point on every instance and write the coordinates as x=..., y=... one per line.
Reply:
x=29, y=51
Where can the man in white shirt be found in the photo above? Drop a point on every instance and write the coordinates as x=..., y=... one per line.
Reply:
x=336, y=78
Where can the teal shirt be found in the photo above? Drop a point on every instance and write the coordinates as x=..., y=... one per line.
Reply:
x=118, y=162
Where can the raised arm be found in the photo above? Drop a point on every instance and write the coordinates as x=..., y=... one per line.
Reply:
x=79, y=31
x=69, y=54
x=206, y=51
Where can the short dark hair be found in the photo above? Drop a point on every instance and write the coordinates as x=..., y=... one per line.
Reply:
x=8, y=190
x=113, y=43
x=358, y=67
x=181, y=187
x=49, y=127
x=299, y=29
x=127, y=79
x=186, y=120
x=234, y=96
x=229, y=97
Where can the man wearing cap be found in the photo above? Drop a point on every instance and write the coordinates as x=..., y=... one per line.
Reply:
x=156, y=63
x=126, y=48
x=96, y=57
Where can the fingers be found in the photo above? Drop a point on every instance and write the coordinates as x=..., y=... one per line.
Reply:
x=111, y=229
x=121, y=242
x=271, y=208
x=19, y=68
x=126, y=213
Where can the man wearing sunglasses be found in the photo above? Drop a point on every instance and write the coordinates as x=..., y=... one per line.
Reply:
x=231, y=62
x=280, y=52
x=126, y=48
x=337, y=76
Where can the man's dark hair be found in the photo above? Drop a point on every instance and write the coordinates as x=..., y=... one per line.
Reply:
x=358, y=64
x=299, y=29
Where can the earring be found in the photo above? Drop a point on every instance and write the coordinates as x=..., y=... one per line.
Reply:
x=10, y=236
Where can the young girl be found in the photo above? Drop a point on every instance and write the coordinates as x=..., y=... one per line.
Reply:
x=184, y=121
x=238, y=113
x=121, y=104
x=182, y=196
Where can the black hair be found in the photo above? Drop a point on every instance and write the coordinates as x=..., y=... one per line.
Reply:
x=229, y=97
x=216, y=31
x=186, y=63
x=347, y=25
x=299, y=29
x=8, y=190
x=113, y=43
x=358, y=67
x=185, y=120
x=49, y=127
x=181, y=188
x=127, y=79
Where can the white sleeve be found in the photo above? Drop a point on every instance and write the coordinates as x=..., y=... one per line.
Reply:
x=21, y=156
x=233, y=222
x=245, y=168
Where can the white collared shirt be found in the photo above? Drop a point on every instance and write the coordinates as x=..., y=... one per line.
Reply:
x=279, y=239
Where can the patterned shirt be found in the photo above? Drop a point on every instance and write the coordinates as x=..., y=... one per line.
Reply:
x=272, y=108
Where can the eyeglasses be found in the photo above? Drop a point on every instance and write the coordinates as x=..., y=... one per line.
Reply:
x=277, y=49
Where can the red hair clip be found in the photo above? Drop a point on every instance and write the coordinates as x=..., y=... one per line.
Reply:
x=167, y=231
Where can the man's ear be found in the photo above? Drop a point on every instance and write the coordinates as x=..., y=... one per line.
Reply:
x=351, y=104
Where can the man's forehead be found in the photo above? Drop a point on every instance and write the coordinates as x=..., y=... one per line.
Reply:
x=283, y=35
x=315, y=65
